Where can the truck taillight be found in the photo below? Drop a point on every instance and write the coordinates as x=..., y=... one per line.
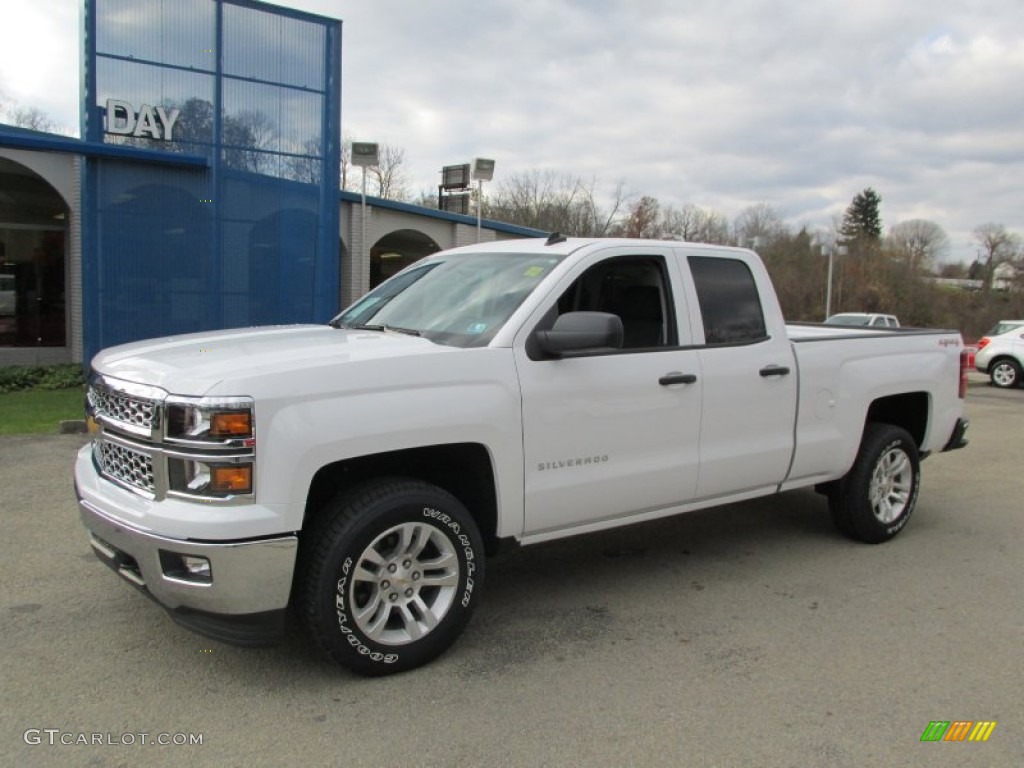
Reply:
x=965, y=357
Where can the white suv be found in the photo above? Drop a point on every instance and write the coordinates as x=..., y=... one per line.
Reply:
x=1001, y=354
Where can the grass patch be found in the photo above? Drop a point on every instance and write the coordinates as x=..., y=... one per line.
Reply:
x=38, y=411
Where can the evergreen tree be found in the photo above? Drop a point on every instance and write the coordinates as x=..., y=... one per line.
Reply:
x=862, y=222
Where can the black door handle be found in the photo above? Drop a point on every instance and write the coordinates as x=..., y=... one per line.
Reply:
x=677, y=378
x=775, y=370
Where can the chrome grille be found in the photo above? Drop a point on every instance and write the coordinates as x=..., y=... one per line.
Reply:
x=127, y=465
x=135, y=411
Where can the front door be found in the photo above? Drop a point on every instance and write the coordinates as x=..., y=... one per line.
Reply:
x=613, y=434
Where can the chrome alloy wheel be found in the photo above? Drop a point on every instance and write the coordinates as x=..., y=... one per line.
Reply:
x=891, y=483
x=404, y=583
x=1004, y=374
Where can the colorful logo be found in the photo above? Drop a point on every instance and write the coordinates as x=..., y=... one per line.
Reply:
x=958, y=730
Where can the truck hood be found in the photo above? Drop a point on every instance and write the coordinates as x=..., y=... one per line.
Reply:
x=196, y=363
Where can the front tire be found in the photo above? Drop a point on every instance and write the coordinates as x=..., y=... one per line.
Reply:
x=874, y=501
x=391, y=573
x=1005, y=373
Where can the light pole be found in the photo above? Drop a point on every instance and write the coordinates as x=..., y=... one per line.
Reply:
x=364, y=155
x=483, y=170
x=830, y=249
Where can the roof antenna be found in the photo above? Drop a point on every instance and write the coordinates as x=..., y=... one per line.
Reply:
x=556, y=237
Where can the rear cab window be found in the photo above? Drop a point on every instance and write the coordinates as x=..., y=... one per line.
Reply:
x=730, y=303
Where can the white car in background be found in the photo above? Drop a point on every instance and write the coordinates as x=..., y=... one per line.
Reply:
x=871, y=319
x=1001, y=354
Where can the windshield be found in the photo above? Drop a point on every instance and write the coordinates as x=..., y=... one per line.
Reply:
x=848, y=320
x=461, y=300
x=1004, y=326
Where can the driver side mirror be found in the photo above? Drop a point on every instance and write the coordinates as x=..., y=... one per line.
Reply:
x=576, y=333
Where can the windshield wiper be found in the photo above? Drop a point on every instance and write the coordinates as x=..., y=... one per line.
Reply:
x=406, y=331
x=358, y=327
x=385, y=327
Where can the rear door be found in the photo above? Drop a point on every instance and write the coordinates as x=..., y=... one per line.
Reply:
x=748, y=374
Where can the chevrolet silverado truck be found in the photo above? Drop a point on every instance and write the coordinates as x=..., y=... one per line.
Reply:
x=354, y=476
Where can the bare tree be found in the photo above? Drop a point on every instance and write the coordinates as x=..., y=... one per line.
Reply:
x=695, y=225
x=997, y=246
x=389, y=174
x=553, y=202
x=387, y=179
x=642, y=220
x=919, y=243
x=25, y=117
x=760, y=221
x=346, y=162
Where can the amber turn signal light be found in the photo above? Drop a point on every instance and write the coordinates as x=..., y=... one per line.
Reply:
x=231, y=424
x=233, y=478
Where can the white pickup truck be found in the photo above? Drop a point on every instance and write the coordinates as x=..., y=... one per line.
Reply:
x=355, y=475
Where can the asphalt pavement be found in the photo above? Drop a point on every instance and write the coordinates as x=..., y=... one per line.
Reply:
x=749, y=635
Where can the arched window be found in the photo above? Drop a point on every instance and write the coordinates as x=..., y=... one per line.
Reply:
x=397, y=250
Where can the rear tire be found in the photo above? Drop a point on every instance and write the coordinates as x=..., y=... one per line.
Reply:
x=390, y=574
x=1005, y=373
x=874, y=501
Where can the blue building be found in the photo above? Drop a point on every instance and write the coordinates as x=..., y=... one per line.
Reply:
x=204, y=192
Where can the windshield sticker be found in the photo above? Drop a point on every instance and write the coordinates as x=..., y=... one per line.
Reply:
x=533, y=271
x=477, y=328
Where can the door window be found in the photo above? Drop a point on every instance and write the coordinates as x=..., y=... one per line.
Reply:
x=633, y=287
x=730, y=305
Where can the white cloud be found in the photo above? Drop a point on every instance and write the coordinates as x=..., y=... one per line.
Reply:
x=39, y=56
x=723, y=103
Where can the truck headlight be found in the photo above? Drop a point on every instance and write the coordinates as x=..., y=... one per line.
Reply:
x=211, y=445
x=211, y=478
x=205, y=420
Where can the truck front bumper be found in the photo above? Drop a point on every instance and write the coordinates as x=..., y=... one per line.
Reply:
x=235, y=591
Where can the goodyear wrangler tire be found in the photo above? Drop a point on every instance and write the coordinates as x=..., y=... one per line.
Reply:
x=876, y=498
x=391, y=573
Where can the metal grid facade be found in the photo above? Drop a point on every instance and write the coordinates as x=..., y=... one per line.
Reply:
x=244, y=229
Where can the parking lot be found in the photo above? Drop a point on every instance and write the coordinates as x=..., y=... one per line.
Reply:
x=749, y=635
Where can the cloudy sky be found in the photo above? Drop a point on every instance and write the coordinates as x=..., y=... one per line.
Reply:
x=721, y=103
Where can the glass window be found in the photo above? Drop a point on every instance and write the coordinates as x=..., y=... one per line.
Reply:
x=730, y=304
x=273, y=48
x=32, y=259
x=268, y=129
x=143, y=84
x=461, y=300
x=633, y=287
x=178, y=32
x=1003, y=327
x=32, y=308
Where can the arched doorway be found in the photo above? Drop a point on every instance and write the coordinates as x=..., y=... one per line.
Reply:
x=33, y=237
x=397, y=250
